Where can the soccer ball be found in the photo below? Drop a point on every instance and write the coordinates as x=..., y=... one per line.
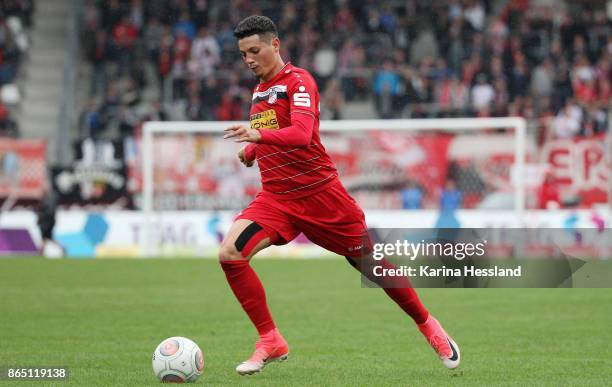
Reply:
x=177, y=360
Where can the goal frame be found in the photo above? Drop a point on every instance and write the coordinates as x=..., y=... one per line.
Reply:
x=519, y=124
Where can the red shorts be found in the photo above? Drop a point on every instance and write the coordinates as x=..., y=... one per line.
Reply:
x=330, y=218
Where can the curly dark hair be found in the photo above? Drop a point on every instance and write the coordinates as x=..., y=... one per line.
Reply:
x=255, y=24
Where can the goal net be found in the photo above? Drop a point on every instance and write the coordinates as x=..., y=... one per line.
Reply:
x=429, y=165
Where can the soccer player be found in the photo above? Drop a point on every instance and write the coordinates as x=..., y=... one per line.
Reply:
x=301, y=193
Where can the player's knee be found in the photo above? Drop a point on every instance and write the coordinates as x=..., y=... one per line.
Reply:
x=228, y=252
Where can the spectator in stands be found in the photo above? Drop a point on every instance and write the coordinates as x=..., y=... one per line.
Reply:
x=496, y=69
x=444, y=95
x=351, y=66
x=567, y=122
x=152, y=38
x=91, y=121
x=525, y=57
x=474, y=14
x=324, y=64
x=99, y=54
x=9, y=55
x=181, y=49
x=21, y=9
x=454, y=50
x=519, y=76
x=542, y=79
x=604, y=95
x=205, y=54
x=344, y=22
x=562, y=90
x=15, y=18
x=185, y=27
x=585, y=90
x=386, y=89
x=111, y=13
x=482, y=93
x=195, y=108
x=129, y=92
x=545, y=114
x=471, y=67
x=227, y=42
x=501, y=98
x=332, y=101
x=425, y=46
x=8, y=126
x=388, y=19
x=128, y=121
x=230, y=108
x=165, y=61
x=124, y=35
x=157, y=112
x=136, y=14
x=595, y=121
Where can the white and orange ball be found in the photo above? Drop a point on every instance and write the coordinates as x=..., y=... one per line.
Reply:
x=178, y=360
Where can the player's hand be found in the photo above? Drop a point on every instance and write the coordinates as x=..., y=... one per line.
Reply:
x=242, y=133
x=243, y=159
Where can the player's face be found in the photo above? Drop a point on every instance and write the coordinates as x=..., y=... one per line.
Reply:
x=260, y=54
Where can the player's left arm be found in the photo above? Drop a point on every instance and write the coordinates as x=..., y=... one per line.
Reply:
x=298, y=134
x=303, y=114
x=302, y=95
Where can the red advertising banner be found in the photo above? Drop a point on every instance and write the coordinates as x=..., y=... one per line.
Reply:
x=579, y=167
x=380, y=169
x=203, y=172
x=193, y=172
x=23, y=168
x=375, y=166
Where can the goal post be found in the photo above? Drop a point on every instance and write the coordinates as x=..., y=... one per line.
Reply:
x=329, y=128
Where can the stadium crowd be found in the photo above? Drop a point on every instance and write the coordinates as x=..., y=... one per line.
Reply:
x=15, y=20
x=544, y=60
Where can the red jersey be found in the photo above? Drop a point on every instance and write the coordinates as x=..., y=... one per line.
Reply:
x=292, y=161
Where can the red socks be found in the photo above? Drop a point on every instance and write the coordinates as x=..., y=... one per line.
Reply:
x=399, y=289
x=402, y=292
x=409, y=301
x=250, y=293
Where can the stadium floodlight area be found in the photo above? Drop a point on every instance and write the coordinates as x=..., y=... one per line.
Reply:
x=413, y=146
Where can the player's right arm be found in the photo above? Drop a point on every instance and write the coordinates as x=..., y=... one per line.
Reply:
x=247, y=155
x=303, y=96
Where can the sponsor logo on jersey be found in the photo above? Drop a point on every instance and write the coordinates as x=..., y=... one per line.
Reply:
x=301, y=99
x=264, y=120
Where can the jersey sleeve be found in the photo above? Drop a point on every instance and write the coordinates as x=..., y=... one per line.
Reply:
x=249, y=151
x=298, y=134
x=303, y=109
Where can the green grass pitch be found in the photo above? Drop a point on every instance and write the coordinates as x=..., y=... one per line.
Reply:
x=103, y=318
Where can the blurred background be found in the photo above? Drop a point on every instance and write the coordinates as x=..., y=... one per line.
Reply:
x=79, y=78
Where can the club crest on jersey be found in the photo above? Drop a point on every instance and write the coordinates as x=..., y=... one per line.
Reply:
x=271, y=95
